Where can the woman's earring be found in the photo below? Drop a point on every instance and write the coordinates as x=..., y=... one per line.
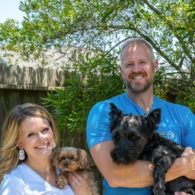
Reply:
x=21, y=154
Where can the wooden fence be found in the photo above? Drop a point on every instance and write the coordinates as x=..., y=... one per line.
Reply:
x=26, y=84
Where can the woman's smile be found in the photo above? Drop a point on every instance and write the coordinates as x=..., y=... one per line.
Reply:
x=37, y=137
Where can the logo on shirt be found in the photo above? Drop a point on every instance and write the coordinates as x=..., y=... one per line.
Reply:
x=170, y=135
x=167, y=134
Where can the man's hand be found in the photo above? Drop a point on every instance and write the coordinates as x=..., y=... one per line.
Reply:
x=189, y=156
x=183, y=166
x=188, y=151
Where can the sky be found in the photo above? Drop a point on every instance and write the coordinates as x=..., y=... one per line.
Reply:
x=10, y=9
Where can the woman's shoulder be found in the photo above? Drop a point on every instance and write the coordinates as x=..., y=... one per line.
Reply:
x=14, y=175
x=22, y=180
x=11, y=182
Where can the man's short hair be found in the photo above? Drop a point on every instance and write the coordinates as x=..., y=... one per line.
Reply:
x=137, y=41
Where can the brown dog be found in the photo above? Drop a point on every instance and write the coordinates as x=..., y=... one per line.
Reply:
x=71, y=159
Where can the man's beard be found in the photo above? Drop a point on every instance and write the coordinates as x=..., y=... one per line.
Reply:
x=136, y=88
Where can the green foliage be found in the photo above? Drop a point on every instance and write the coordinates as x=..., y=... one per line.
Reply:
x=169, y=86
x=10, y=34
x=54, y=23
x=92, y=80
x=159, y=87
x=187, y=97
x=101, y=26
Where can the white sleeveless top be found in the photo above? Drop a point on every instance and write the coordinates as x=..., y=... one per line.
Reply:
x=24, y=181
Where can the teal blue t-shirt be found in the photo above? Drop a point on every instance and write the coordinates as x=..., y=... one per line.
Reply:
x=177, y=124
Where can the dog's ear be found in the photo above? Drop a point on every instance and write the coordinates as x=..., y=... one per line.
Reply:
x=85, y=160
x=153, y=119
x=54, y=157
x=115, y=116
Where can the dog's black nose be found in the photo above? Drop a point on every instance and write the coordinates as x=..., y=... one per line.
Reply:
x=65, y=162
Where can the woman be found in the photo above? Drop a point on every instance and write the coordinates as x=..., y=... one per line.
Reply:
x=29, y=135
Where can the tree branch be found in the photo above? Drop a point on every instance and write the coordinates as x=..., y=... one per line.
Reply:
x=171, y=27
x=152, y=41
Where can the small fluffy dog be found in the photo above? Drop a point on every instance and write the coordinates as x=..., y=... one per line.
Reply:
x=71, y=159
x=135, y=138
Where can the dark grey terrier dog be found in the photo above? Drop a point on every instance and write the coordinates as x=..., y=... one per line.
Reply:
x=135, y=137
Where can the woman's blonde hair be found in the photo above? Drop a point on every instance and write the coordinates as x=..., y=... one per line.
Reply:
x=11, y=133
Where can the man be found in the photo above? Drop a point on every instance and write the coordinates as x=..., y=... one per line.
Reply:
x=138, y=66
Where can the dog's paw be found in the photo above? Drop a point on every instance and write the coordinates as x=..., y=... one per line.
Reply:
x=62, y=182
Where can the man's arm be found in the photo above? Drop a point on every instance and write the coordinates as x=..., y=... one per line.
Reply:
x=185, y=165
x=138, y=174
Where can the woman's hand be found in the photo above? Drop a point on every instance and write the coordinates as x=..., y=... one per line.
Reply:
x=78, y=184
